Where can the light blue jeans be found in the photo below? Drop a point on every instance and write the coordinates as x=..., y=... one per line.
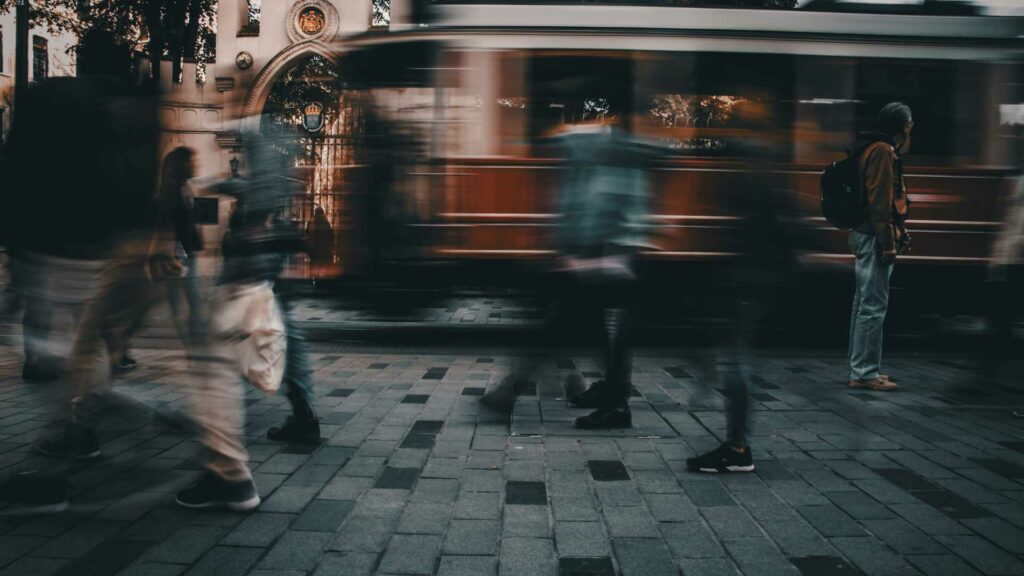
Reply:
x=870, y=301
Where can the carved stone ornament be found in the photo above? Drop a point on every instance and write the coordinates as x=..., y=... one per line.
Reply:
x=243, y=61
x=312, y=20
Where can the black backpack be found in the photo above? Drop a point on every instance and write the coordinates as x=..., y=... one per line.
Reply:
x=842, y=201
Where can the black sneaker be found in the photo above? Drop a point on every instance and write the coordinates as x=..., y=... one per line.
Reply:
x=127, y=364
x=31, y=493
x=722, y=459
x=211, y=491
x=593, y=397
x=76, y=442
x=606, y=419
x=302, y=431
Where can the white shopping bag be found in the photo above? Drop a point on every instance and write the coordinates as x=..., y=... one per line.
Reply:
x=248, y=319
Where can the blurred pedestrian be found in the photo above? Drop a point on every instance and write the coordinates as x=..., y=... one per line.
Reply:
x=603, y=210
x=877, y=240
x=255, y=249
x=97, y=208
x=177, y=212
x=768, y=239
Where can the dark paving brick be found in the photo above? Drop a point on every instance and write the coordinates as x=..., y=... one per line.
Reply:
x=528, y=493
x=259, y=529
x=341, y=392
x=585, y=567
x=1000, y=467
x=435, y=374
x=415, y=399
x=226, y=561
x=607, y=470
x=378, y=366
x=397, y=478
x=473, y=391
x=416, y=441
x=297, y=551
x=677, y=372
x=107, y=558
x=323, y=515
x=303, y=447
x=983, y=555
x=485, y=360
x=942, y=565
x=824, y=566
x=427, y=426
x=872, y=557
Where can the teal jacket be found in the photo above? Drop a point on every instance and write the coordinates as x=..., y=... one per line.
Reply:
x=604, y=197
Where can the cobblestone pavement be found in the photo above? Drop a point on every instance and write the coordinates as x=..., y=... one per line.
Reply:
x=414, y=477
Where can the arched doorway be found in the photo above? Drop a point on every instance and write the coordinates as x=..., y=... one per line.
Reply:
x=307, y=100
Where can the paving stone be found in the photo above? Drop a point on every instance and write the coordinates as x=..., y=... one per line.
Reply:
x=425, y=518
x=872, y=556
x=758, y=557
x=999, y=532
x=477, y=506
x=472, y=538
x=581, y=540
x=364, y=534
x=691, y=540
x=526, y=493
x=707, y=494
x=860, y=506
x=80, y=539
x=928, y=519
x=985, y=556
x=708, y=567
x=414, y=554
x=34, y=566
x=297, y=551
x=186, y=545
x=527, y=521
x=483, y=481
x=942, y=565
x=436, y=491
x=634, y=522
x=671, y=508
x=397, y=478
x=527, y=557
x=259, y=529
x=323, y=515
x=824, y=566
x=347, y=564
x=903, y=537
x=607, y=470
x=643, y=557
x=109, y=557
x=796, y=538
x=585, y=566
x=468, y=566
x=831, y=521
x=226, y=561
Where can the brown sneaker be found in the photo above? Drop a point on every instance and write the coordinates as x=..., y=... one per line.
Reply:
x=880, y=384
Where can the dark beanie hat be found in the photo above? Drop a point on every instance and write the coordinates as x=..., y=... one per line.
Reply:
x=893, y=117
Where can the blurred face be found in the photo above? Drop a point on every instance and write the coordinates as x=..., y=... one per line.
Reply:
x=903, y=140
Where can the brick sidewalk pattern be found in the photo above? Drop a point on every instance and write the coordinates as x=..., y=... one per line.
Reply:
x=416, y=478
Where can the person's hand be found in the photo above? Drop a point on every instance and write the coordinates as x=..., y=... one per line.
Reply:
x=163, y=267
x=889, y=257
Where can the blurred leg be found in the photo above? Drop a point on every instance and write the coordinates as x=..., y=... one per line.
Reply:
x=872, y=300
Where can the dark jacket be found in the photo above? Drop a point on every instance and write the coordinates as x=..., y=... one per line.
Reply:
x=884, y=191
x=80, y=167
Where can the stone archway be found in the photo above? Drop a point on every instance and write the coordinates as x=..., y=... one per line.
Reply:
x=285, y=59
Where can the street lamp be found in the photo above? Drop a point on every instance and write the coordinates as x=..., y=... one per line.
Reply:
x=234, y=166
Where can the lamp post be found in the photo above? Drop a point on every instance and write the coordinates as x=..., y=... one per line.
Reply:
x=234, y=166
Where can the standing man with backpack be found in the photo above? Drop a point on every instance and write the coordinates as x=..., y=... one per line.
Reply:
x=876, y=240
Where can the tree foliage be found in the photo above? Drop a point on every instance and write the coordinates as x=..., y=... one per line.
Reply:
x=177, y=30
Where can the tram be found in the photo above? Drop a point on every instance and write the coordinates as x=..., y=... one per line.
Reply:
x=474, y=93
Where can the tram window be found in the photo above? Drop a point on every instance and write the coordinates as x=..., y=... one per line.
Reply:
x=694, y=102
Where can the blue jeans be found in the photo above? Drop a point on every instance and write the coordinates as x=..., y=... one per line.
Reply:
x=870, y=302
x=298, y=376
